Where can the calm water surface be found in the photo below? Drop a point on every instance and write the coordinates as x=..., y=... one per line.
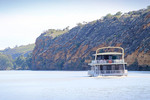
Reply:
x=72, y=85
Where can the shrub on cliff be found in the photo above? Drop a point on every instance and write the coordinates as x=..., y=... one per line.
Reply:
x=108, y=16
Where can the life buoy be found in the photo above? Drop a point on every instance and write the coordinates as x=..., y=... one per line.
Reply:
x=110, y=61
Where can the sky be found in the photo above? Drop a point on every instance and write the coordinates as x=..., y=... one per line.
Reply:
x=22, y=21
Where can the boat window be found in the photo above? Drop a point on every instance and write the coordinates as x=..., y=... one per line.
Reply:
x=109, y=67
x=99, y=57
x=117, y=67
x=114, y=57
x=119, y=57
x=106, y=57
x=110, y=57
x=120, y=67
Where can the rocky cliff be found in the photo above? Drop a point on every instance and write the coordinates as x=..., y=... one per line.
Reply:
x=73, y=49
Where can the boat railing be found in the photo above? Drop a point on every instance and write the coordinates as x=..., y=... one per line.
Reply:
x=118, y=61
x=109, y=72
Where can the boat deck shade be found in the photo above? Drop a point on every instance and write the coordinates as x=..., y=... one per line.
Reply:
x=108, y=53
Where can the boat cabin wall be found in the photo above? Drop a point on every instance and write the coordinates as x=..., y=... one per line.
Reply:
x=108, y=57
x=111, y=67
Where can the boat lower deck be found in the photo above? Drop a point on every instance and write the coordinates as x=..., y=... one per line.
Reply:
x=107, y=72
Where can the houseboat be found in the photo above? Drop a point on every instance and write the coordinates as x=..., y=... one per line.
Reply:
x=109, y=61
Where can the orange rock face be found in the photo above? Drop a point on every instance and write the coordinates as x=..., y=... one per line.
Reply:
x=73, y=50
x=142, y=58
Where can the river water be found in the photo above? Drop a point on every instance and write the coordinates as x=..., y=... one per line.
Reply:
x=72, y=85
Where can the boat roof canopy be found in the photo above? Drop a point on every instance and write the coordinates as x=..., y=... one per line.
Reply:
x=108, y=53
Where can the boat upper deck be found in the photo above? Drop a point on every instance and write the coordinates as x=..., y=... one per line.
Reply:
x=108, y=56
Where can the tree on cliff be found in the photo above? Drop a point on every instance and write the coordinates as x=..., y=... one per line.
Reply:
x=29, y=60
x=118, y=13
x=5, y=62
x=20, y=62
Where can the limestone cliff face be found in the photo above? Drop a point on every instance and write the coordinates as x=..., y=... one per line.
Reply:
x=73, y=49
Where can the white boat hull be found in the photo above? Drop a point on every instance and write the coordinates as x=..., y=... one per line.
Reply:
x=93, y=73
